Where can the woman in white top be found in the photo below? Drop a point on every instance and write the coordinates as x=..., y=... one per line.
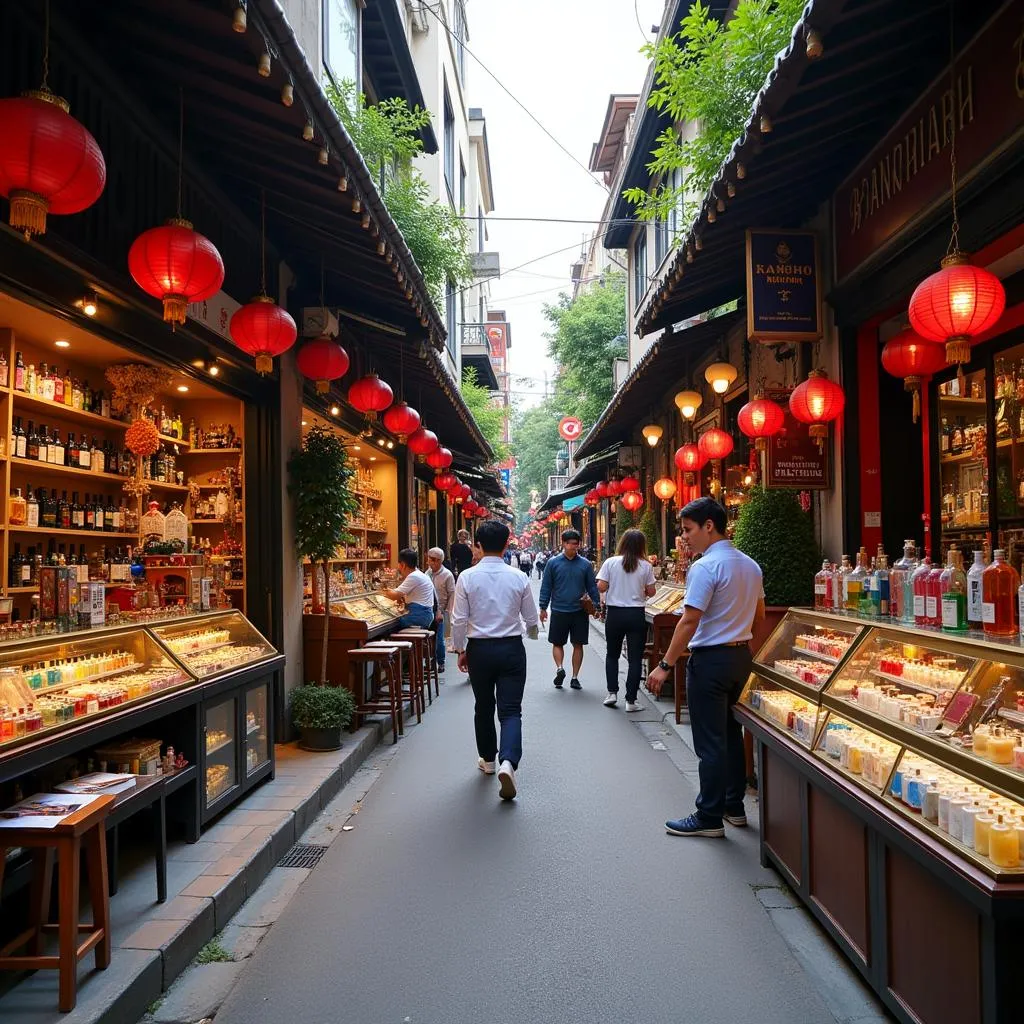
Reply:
x=626, y=580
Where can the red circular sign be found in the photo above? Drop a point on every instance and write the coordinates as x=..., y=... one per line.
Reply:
x=570, y=428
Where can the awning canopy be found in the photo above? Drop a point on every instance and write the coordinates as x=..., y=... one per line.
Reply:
x=663, y=366
x=595, y=468
x=825, y=115
x=555, y=498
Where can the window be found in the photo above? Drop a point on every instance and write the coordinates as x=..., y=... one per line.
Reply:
x=449, y=315
x=639, y=268
x=479, y=229
x=660, y=241
x=341, y=41
x=449, y=145
x=675, y=216
x=461, y=34
x=462, y=185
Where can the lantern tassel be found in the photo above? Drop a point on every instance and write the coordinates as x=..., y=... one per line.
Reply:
x=323, y=386
x=28, y=213
x=917, y=405
x=174, y=309
x=264, y=364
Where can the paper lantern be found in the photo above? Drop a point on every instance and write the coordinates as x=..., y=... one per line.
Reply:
x=629, y=483
x=632, y=500
x=439, y=459
x=445, y=481
x=720, y=376
x=422, y=442
x=49, y=162
x=370, y=395
x=652, y=434
x=817, y=401
x=322, y=360
x=460, y=494
x=690, y=459
x=665, y=488
x=614, y=488
x=469, y=506
x=592, y=497
x=760, y=419
x=715, y=444
x=401, y=420
x=264, y=330
x=688, y=402
x=956, y=304
x=909, y=356
x=177, y=265
x=602, y=488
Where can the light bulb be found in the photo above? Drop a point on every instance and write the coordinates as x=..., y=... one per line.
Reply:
x=688, y=412
x=307, y=131
x=652, y=441
x=323, y=156
x=287, y=94
x=214, y=370
x=335, y=410
x=720, y=386
x=263, y=66
x=238, y=22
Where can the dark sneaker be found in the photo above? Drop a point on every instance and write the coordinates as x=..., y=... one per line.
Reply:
x=693, y=826
x=574, y=684
x=559, y=678
x=737, y=818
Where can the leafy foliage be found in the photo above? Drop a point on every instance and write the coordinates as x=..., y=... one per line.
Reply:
x=322, y=707
x=624, y=520
x=708, y=75
x=776, y=532
x=387, y=137
x=535, y=443
x=490, y=417
x=651, y=530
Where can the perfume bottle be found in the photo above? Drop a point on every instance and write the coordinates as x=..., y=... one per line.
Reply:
x=855, y=581
x=919, y=583
x=999, y=586
x=933, y=597
x=974, y=591
x=899, y=575
x=823, y=588
x=839, y=584
x=953, y=583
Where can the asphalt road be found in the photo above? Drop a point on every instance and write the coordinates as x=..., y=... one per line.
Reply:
x=447, y=906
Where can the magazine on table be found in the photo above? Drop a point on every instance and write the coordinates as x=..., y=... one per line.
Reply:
x=97, y=782
x=44, y=810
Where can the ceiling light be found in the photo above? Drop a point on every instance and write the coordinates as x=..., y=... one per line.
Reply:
x=214, y=370
x=373, y=458
x=183, y=388
x=90, y=304
x=335, y=410
x=356, y=448
x=391, y=444
x=304, y=423
x=380, y=441
x=61, y=343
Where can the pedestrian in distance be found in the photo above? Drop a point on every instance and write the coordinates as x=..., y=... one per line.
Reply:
x=724, y=600
x=526, y=562
x=415, y=592
x=626, y=580
x=569, y=586
x=444, y=591
x=492, y=603
x=460, y=553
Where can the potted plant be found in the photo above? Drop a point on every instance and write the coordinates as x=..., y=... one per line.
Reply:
x=320, y=476
x=320, y=713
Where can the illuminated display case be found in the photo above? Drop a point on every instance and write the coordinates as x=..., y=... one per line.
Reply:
x=667, y=598
x=213, y=645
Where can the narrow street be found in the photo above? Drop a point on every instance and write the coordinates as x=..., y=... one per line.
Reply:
x=446, y=905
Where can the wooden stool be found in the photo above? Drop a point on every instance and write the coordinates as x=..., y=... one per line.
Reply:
x=82, y=830
x=406, y=650
x=385, y=678
x=426, y=651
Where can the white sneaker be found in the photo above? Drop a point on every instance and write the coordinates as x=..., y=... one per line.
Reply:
x=506, y=781
x=632, y=705
x=611, y=700
x=487, y=767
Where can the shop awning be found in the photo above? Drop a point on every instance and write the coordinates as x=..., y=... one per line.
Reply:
x=662, y=367
x=595, y=468
x=479, y=479
x=555, y=498
x=825, y=115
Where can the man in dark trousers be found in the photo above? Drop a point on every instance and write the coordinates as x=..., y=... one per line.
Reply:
x=460, y=553
x=492, y=602
x=568, y=579
x=724, y=598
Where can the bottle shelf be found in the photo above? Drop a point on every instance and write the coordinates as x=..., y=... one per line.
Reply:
x=211, y=451
x=56, y=532
x=159, y=486
x=210, y=522
x=960, y=400
x=962, y=457
x=67, y=412
x=55, y=467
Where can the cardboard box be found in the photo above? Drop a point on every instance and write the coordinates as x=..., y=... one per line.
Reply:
x=92, y=605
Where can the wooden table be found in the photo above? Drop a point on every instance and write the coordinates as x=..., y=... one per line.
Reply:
x=148, y=793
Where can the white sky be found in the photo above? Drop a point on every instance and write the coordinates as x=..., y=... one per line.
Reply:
x=562, y=59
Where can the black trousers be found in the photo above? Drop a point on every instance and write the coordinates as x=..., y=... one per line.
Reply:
x=497, y=673
x=630, y=625
x=714, y=681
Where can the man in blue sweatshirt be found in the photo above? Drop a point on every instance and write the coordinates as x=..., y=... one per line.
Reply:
x=568, y=578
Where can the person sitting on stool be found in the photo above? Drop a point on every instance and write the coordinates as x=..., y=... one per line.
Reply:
x=416, y=592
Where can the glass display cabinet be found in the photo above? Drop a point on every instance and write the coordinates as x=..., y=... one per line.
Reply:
x=257, y=729
x=667, y=598
x=221, y=741
x=212, y=645
x=807, y=648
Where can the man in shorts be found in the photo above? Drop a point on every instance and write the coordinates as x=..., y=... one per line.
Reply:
x=568, y=579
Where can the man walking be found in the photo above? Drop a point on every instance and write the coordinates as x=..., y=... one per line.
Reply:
x=461, y=553
x=416, y=592
x=444, y=591
x=724, y=599
x=492, y=601
x=568, y=584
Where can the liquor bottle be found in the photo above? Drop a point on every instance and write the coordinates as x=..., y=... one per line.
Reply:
x=31, y=379
x=104, y=404
x=100, y=513
x=999, y=585
x=854, y=582
x=18, y=439
x=87, y=397
x=51, y=553
x=89, y=512
x=99, y=462
x=57, y=450
x=823, y=588
x=48, y=509
x=84, y=455
x=77, y=513
x=17, y=567
x=956, y=445
x=954, y=594
x=58, y=385
x=69, y=387
x=73, y=452
x=838, y=584
x=64, y=512
x=31, y=508
x=113, y=516
x=945, y=435
x=3, y=370
x=898, y=574
x=44, y=385
x=76, y=395
x=83, y=565
x=31, y=442
x=881, y=587
x=19, y=372
x=17, y=509
x=933, y=596
x=43, y=444
x=919, y=582
x=62, y=558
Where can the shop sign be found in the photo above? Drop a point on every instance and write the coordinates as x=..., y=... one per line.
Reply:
x=498, y=340
x=793, y=459
x=783, y=286
x=570, y=428
x=630, y=456
x=214, y=313
x=506, y=478
x=907, y=173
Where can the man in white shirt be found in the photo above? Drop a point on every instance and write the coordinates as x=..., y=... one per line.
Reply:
x=492, y=601
x=444, y=591
x=416, y=592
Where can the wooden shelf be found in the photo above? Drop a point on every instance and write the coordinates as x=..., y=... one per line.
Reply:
x=974, y=403
x=963, y=457
x=53, y=467
x=212, y=451
x=170, y=439
x=68, y=533
x=156, y=485
x=213, y=522
x=68, y=412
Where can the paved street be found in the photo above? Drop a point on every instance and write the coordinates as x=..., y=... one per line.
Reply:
x=446, y=906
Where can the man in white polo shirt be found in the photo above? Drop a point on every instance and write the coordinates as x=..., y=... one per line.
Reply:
x=724, y=598
x=416, y=592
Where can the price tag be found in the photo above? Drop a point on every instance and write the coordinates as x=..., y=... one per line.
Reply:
x=988, y=612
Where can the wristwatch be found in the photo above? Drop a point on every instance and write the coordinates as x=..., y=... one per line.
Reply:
x=664, y=665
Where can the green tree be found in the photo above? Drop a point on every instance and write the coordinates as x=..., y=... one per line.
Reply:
x=587, y=334
x=535, y=442
x=708, y=75
x=651, y=529
x=624, y=520
x=489, y=416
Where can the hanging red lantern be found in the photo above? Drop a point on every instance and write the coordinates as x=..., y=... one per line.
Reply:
x=370, y=395
x=956, y=304
x=690, y=459
x=614, y=488
x=49, y=162
x=665, y=488
x=715, y=444
x=322, y=360
x=592, y=497
x=445, y=481
x=761, y=419
x=402, y=420
x=481, y=512
x=176, y=264
x=459, y=494
x=602, y=488
x=264, y=330
x=422, y=442
x=632, y=500
x=629, y=483
x=439, y=459
x=469, y=506
x=909, y=356
x=817, y=401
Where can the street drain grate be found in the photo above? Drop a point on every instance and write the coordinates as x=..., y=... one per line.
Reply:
x=300, y=856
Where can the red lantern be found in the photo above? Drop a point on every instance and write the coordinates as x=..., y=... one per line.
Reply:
x=690, y=459
x=817, y=401
x=592, y=497
x=614, y=488
x=439, y=459
x=469, y=506
x=602, y=488
x=49, y=163
x=632, y=500
x=665, y=488
x=956, y=304
x=445, y=481
x=459, y=494
x=911, y=357
x=264, y=330
x=760, y=419
x=322, y=360
x=422, y=442
x=402, y=420
x=481, y=512
x=629, y=483
x=715, y=444
x=176, y=264
x=370, y=395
